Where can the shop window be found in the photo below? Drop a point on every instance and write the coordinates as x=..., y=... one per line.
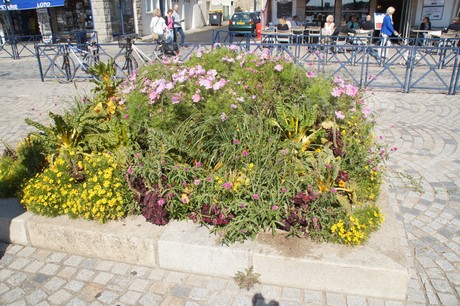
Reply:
x=357, y=8
x=75, y=15
x=122, y=15
x=315, y=8
x=148, y=6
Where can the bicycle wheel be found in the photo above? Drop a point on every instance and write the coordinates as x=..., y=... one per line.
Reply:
x=125, y=64
x=90, y=60
x=63, y=68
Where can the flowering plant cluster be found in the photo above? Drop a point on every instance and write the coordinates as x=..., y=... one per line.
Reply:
x=250, y=142
x=239, y=142
x=96, y=191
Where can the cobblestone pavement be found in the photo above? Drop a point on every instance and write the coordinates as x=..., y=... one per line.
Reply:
x=424, y=191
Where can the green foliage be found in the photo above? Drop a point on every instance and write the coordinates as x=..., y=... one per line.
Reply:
x=247, y=279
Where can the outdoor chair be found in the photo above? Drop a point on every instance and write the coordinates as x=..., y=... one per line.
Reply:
x=298, y=33
x=268, y=36
x=339, y=42
x=283, y=36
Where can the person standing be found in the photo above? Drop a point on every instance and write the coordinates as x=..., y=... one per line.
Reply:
x=387, y=30
x=170, y=24
x=177, y=25
x=158, y=26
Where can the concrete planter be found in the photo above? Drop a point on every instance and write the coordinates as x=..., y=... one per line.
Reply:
x=377, y=269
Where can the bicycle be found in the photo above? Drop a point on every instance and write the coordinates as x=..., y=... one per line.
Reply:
x=127, y=63
x=63, y=64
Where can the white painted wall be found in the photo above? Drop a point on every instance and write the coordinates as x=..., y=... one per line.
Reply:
x=449, y=12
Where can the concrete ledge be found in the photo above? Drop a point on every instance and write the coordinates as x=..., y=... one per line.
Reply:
x=377, y=269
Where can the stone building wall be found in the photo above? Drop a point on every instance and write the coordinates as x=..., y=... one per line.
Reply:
x=102, y=20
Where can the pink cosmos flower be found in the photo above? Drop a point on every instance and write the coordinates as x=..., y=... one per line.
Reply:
x=130, y=170
x=367, y=111
x=198, y=164
x=310, y=74
x=196, y=98
x=236, y=141
x=255, y=196
x=351, y=90
x=278, y=67
x=336, y=92
x=283, y=190
x=339, y=115
x=245, y=153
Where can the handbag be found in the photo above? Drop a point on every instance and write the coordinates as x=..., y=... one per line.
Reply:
x=155, y=36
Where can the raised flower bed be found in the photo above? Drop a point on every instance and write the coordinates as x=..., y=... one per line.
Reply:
x=243, y=143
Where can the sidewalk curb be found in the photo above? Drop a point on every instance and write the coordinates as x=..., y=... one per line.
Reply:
x=378, y=269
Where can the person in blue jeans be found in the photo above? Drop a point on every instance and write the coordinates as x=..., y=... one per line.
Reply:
x=177, y=25
x=387, y=30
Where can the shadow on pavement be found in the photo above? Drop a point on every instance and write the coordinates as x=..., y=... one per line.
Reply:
x=9, y=210
x=259, y=300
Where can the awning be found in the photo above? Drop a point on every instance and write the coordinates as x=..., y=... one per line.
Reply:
x=17, y=5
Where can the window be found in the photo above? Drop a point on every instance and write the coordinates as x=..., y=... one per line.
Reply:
x=313, y=8
x=352, y=7
x=148, y=6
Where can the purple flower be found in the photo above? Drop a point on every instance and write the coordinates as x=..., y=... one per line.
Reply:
x=283, y=190
x=130, y=170
x=227, y=185
x=339, y=115
x=233, y=106
x=245, y=153
x=278, y=67
x=328, y=166
x=255, y=196
x=236, y=141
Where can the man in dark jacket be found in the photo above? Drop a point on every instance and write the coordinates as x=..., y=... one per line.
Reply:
x=368, y=24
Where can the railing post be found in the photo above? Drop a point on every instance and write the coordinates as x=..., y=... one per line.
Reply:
x=40, y=68
x=455, y=75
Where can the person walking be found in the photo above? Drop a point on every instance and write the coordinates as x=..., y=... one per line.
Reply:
x=158, y=26
x=170, y=24
x=177, y=25
x=387, y=30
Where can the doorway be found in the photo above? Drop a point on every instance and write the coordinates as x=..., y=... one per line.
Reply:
x=382, y=6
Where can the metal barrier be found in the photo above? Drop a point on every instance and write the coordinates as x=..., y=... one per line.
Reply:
x=405, y=65
x=24, y=46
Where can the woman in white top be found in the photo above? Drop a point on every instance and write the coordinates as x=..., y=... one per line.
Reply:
x=158, y=25
x=329, y=26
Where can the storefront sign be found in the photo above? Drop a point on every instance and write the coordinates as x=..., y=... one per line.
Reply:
x=433, y=3
x=378, y=20
x=17, y=5
x=433, y=12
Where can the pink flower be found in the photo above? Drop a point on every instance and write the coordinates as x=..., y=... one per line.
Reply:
x=227, y=185
x=278, y=67
x=233, y=106
x=223, y=117
x=351, y=90
x=283, y=190
x=126, y=116
x=185, y=184
x=336, y=92
x=242, y=205
x=208, y=179
x=315, y=220
x=366, y=111
x=328, y=166
x=310, y=74
x=275, y=207
x=236, y=141
x=255, y=196
x=197, y=182
x=393, y=149
x=339, y=115
x=333, y=190
x=185, y=199
x=196, y=98
x=245, y=153
x=161, y=202
x=130, y=170
x=198, y=164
